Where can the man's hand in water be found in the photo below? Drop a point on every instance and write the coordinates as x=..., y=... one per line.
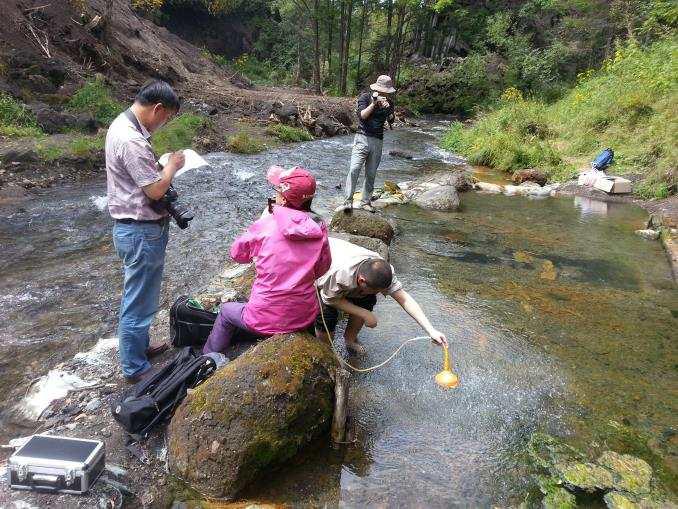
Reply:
x=438, y=337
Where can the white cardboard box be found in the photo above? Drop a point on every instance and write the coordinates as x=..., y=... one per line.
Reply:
x=613, y=185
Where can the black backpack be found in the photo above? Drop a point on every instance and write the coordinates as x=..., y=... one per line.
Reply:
x=152, y=401
x=189, y=325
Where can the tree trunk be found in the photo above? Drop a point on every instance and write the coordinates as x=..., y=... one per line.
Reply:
x=330, y=27
x=389, y=20
x=342, y=40
x=395, y=60
x=347, y=49
x=316, y=56
x=358, y=81
x=297, y=74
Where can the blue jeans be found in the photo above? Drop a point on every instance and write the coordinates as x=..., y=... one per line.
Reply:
x=141, y=247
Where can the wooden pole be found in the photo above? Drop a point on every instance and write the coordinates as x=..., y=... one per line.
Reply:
x=340, y=406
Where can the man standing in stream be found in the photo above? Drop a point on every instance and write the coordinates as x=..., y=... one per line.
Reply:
x=374, y=109
x=140, y=232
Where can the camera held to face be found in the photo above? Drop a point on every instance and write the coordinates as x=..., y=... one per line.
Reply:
x=380, y=100
x=170, y=203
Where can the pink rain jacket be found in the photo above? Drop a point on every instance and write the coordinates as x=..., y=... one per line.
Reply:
x=290, y=251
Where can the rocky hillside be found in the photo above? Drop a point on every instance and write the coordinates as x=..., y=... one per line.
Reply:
x=68, y=67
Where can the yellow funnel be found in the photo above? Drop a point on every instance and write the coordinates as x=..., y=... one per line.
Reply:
x=446, y=379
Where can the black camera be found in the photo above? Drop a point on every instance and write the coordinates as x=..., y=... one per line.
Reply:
x=170, y=203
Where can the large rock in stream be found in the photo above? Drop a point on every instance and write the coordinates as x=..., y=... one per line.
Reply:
x=439, y=198
x=363, y=223
x=253, y=414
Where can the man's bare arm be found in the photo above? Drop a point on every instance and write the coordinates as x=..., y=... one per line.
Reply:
x=157, y=189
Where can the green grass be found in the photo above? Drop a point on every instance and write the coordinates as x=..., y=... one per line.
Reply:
x=49, y=153
x=85, y=145
x=95, y=98
x=628, y=105
x=178, y=133
x=17, y=121
x=243, y=143
x=288, y=133
x=81, y=146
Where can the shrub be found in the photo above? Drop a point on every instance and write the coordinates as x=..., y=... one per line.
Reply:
x=244, y=143
x=288, y=133
x=15, y=119
x=628, y=105
x=178, y=133
x=94, y=98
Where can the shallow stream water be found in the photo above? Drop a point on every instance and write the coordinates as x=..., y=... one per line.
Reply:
x=559, y=317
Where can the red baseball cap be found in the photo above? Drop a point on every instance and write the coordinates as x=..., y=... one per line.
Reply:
x=297, y=184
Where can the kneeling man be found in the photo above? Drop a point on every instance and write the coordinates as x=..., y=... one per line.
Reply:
x=351, y=285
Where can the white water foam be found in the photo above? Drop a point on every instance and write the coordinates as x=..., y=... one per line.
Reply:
x=20, y=504
x=244, y=174
x=446, y=156
x=54, y=385
x=100, y=202
x=100, y=353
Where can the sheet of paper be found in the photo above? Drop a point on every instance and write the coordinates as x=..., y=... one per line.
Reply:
x=193, y=161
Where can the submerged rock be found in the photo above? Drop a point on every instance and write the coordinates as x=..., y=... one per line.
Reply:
x=559, y=498
x=366, y=224
x=629, y=473
x=438, y=198
x=585, y=476
x=401, y=153
x=253, y=414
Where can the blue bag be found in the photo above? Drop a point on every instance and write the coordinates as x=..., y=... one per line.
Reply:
x=603, y=160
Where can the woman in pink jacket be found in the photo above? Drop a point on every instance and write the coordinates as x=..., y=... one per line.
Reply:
x=290, y=251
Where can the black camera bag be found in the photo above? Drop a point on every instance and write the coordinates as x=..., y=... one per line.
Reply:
x=189, y=326
x=152, y=401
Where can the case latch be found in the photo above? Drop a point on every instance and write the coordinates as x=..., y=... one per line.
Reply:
x=70, y=477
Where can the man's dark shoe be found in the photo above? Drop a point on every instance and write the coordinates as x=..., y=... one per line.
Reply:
x=156, y=349
x=135, y=379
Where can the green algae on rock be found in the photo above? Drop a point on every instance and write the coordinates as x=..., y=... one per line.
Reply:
x=253, y=414
x=360, y=222
x=585, y=476
x=620, y=480
x=630, y=474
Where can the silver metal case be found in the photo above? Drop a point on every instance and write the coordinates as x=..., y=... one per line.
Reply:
x=54, y=463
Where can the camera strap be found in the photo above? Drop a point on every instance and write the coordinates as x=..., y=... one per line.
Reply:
x=135, y=122
x=137, y=126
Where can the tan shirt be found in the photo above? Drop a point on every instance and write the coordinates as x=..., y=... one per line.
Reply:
x=341, y=280
x=130, y=165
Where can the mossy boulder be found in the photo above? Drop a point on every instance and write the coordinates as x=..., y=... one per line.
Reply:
x=559, y=498
x=585, y=476
x=629, y=473
x=253, y=414
x=375, y=245
x=366, y=224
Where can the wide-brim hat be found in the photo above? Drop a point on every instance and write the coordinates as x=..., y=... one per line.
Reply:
x=384, y=84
